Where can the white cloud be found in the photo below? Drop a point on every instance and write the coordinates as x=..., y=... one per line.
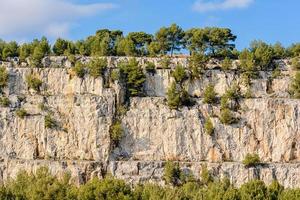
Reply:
x=49, y=17
x=206, y=6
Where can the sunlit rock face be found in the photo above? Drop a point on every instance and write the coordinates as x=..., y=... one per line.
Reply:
x=84, y=110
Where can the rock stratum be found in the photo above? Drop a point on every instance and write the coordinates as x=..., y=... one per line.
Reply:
x=269, y=125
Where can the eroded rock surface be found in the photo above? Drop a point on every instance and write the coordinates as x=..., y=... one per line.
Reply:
x=84, y=110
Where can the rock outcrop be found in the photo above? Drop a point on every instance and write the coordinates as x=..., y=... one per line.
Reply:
x=84, y=110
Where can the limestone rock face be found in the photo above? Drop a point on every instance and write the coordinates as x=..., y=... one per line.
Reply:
x=84, y=110
x=269, y=127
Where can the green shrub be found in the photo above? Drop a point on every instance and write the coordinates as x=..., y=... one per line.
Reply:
x=247, y=61
x=133, y=77
x=4, y=102
x=49, y=122
x=233, y=93
x=179, y=74
x=177, y=97
x=173, y=96
x=226, y=64
x=115, y=75
x=226, y=116
x=224, y=102
x=79, y=69
x=251, y=160
x=197, y=63
x=116, y=132
x=97, y=67
x=296, y=63
x=263, y=54
x=3, y=77
x=290, y=194
x=248, y=94
x=210, y=94
x=206, y=176
x=254, y=190
x=22, y=113
x=276, y=73
x=274, y=190
x=231, y=194
x=150, y=68
x=209, y=127
x=295, y=86
x=172, y=173
x=165, y=62
x=33, y=82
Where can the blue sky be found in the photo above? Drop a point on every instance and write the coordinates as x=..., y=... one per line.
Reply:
x=268, y=20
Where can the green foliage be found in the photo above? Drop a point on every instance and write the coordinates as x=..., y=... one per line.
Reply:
x=173, y=96
x=213, y=41
x=276, y=73
x=3, y=78
x=209, y=127
x=196, y=65
x=177, y=97
x=40, y=50
x=4, y=102
x=169, y=39
x=226, y=116
x=133, y=77
x=224, y=102
x=43, y=185
x=49, y=122
x=115, y=75
x=263, y=54
x=254, y=190
x=290, y=194
x=226, y=64
x=97, y=67
x=179, y=74
x=233, y=93
x=172, y=173
x=206, y=176
x=10, y=50
x=108, y=188
x=210, y=96
x=33, y=82
x=294, y=50
x=295, y=86
x=63, y=47
x=274, y=190
x=79, y=70
x=140, y=42
x=251, y=160
x=22, y=113
x=116, y=132
x=247, y=61
x=279, y=52
x=150, y=68
x=295, y=63
x=165, y=62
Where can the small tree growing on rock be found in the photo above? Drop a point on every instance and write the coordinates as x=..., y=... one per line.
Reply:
x=179, y=74
x=227, y=117
x=97, y=67
x=208, y=126
x=79, y=69
x=3, y=78
x=210, y=94
x=172, y=173
x=251, y=160
x=116, y=132
x=22, y=113
x=295, y=86
x=34, y=82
